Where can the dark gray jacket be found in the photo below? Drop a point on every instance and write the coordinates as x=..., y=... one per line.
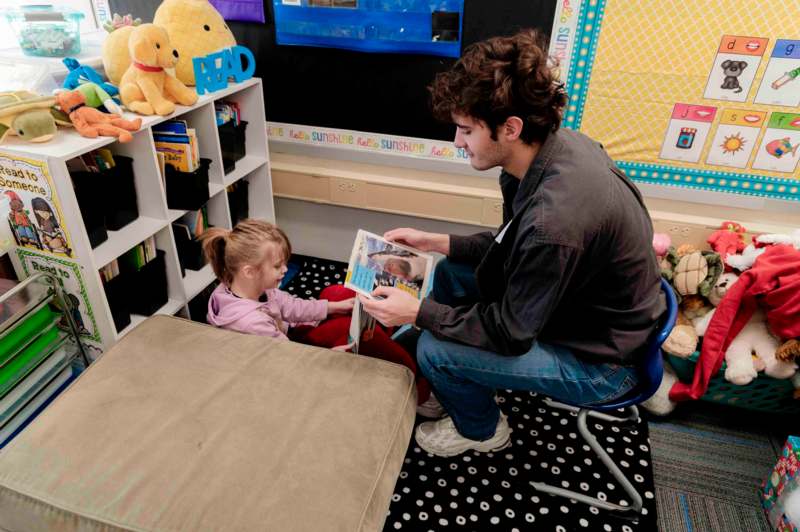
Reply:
x=573, y=263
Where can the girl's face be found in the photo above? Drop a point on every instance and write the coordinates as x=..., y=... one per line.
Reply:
x=271, y=271
x=44, y=215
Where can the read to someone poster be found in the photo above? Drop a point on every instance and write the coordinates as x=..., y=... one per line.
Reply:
x=69, y=277
x=29, y=201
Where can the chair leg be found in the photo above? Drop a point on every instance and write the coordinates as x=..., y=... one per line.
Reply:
x=583, y=429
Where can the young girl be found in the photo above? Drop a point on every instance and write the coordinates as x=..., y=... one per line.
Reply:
x=250, y=262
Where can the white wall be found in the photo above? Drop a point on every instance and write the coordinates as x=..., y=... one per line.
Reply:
x=328, y=231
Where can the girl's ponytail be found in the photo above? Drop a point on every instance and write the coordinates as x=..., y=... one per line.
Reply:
x=214, y=240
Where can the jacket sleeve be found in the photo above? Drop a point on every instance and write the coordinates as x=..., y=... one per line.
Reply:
x=510, y=326
x=470, y=249
x=262, y=325
x=295, y=310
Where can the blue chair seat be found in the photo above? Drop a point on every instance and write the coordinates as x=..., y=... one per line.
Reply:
x=650, y=374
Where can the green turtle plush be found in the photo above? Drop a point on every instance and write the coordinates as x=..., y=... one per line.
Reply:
x=29, y=116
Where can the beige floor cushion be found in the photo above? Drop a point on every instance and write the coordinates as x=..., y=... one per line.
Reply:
x=182, y=426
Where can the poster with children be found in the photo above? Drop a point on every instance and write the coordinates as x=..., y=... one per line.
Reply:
x=30, y=205
x=376, y=262
x=69, y=277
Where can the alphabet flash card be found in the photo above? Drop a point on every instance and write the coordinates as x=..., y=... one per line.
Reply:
x=687, y=132
x=778, y=150
x=736, y=137
x=735, y=67
x=780, y=85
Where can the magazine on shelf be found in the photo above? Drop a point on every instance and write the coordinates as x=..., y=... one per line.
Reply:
x=374, y=262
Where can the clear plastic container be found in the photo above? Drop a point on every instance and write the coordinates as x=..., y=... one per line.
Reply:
x=47, y=30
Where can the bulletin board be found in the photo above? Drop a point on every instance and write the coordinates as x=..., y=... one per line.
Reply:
x=701, y=95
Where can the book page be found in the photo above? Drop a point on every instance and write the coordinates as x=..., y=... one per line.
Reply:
x=374, y=261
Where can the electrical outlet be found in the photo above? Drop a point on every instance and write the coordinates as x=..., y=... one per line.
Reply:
x=683, y=233
x=347, y=191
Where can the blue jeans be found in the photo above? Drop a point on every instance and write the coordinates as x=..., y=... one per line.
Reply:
x=465, y=378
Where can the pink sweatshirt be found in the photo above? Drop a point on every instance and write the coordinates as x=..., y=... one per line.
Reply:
x=270, y=318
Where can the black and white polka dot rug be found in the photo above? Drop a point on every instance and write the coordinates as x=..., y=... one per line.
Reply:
x=307, y=276
x=492, y=491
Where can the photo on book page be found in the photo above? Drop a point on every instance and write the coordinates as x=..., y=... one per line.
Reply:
x=375, y=262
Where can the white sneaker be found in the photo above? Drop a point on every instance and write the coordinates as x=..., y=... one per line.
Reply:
x=441, y=438
x=431, y=409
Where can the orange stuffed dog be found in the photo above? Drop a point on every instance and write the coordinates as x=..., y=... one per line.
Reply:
x=145, y=87
x=90, y=122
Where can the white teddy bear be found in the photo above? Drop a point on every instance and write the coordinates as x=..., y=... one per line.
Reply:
x=745, y=260
x=754, y=337
x=793, y=239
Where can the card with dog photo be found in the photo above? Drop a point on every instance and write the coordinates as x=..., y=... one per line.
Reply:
x=779, y=146
x=735, y=67
x=687, y=132
x=780, y=84
x=735, y=137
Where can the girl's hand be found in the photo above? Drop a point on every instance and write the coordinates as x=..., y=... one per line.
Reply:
x=341, y=307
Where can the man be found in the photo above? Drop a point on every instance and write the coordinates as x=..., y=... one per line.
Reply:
x=563, y=299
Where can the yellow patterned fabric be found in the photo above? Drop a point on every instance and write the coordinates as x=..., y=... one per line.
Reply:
x=652, y=54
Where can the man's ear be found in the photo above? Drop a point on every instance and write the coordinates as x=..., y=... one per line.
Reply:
x=511, y=129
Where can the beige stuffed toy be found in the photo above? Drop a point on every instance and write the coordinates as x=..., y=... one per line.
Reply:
x=146, y=88
x=196, y=29
x=115, y=54
x=682, y=340
x=789, y=351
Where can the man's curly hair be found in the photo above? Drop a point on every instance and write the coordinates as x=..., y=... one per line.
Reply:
x=502, y=77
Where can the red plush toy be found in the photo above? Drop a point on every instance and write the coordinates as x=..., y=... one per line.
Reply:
x=333, y=332
x=727, y=240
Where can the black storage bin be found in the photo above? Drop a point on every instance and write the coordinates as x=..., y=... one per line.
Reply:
x=89, y=187
x=118, y=299
x=187, y=190
x=198, y=305
x=232, y=141
x=120, y=194
x=190, y=252
x=237, y=201
x=148, y=286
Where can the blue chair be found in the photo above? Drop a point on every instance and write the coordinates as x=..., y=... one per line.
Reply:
x=650, y=375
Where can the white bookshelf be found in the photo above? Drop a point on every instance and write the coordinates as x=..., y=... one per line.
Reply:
x=155, y=217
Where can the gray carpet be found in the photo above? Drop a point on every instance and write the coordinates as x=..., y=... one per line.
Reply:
x=708, y=464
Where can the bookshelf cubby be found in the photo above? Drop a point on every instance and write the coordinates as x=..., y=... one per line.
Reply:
x=155, y=217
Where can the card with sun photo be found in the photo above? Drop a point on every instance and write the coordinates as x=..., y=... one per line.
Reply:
x=736, y=137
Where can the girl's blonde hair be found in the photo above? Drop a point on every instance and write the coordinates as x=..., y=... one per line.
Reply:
x=229, y=250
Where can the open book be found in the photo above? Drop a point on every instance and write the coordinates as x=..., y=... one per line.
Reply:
x=376, y=262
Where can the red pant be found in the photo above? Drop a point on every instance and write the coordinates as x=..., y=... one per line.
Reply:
x=334, y=331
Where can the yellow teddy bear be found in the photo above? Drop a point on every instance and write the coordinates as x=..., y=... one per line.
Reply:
x=146, y=86
x=195, y=29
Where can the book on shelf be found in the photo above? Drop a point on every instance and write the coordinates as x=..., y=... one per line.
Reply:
x=140, y=254
x=178, y=144
x=97, y=160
